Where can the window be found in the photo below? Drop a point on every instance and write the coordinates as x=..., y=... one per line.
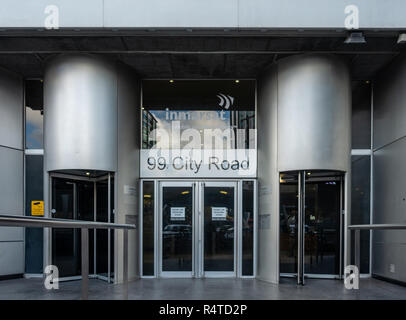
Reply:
x=361, y=115
x=34, y=115
x=198, y=106
x=34, y=187
x=148, y=228
x=360, y=203
x=248, y=217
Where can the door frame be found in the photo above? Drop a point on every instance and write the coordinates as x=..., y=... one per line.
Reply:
x=176, y=274
x=219, y=274
x=157, y=212
x=302, y=182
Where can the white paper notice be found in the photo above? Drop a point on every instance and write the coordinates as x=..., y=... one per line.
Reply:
x=218, y=213
x=178, y=213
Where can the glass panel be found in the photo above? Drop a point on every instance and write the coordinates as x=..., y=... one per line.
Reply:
x=219, y=229
x=112, y=219
x=34, y=191
x=34, y=114
x=177, y=231
x=361, y=115
x=248, y=228
x=85, y=209
x=148, y=228
x=322, y=225
x=102, y=245
x=198, y=106
x=289, y=190
x=65, y=242
x=360, y=203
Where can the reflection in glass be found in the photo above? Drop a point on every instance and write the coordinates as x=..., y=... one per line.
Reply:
x=288, y=222
x=148, y=228
x=177, y=231
x=322, y=226
x=34, y=127
x=65, y=242
x=248, y=228
x=225, y=108
x=219, y=231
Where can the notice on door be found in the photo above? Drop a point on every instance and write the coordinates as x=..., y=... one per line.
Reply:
x=218, y=213
x=178, y=213
x=37, y=208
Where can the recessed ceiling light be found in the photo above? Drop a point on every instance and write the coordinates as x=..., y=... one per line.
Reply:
x=88, y=173
x=171, y=81
x=237, y=81
x=402, y=38
x=355, y=38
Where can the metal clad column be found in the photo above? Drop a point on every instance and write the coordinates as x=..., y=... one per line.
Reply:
x=80, y=108
x=314, y=113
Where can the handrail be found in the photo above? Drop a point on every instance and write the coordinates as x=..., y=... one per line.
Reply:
x=37, y=222
x=377, y=227
x=21, y=221
x=357, y=236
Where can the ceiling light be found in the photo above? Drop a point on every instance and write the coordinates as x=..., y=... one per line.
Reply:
x=402, y=38
x=237, y=81
x=88, y=173
x=355, y=37
x=171, y=81
x=185, y=192
x=223, y=192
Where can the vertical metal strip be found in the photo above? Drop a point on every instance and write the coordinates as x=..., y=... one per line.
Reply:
x=371, y=186
x=141, y=226
x=300, y=228
x=125, y=264
x=94, y=230
x=85, y=263
x=357, y=248
x=109, y=230
x=239, y=234
x=341, y=230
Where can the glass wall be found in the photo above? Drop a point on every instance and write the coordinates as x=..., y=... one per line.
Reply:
x=34, y=176
x=360, y=203
x=176, y=106
x=361, y=115
x=34, y=192
x=248, y=216
x=148, y=228
x=34, y=115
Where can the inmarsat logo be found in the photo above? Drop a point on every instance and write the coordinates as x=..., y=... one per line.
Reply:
x=226, y=101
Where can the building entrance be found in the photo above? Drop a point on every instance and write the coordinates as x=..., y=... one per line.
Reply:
x=89, y=199
x=311, y=224
x=198, y=229
x=203, y=228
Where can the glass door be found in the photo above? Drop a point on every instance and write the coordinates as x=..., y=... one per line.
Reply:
x=177, y=220
x=219, y=228
x=311, y=204
x=88, y=199
x=65, y=242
